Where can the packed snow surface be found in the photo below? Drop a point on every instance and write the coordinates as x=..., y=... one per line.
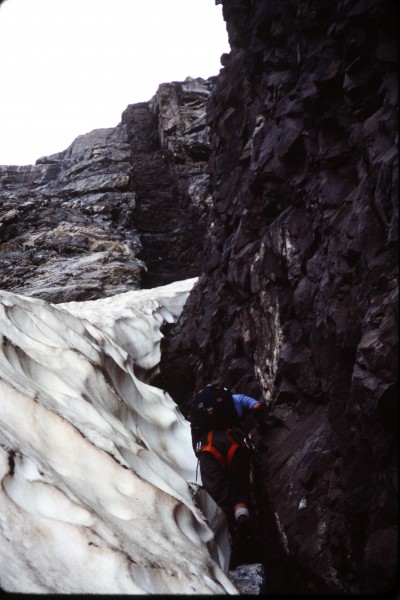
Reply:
x=98, y=491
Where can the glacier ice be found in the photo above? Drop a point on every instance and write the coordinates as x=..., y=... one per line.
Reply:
x=98, y=491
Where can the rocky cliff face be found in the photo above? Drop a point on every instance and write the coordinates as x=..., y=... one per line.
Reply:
x=121, y=208
x=298, y=300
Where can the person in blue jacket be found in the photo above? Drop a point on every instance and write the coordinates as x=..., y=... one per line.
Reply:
x=219, y=441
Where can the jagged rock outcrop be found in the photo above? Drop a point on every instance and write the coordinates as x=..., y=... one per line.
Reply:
x=121, y=208
x=170, y=179
x=66, y=222
x=298, y=300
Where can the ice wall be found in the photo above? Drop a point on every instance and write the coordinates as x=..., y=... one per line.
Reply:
x=96, y=466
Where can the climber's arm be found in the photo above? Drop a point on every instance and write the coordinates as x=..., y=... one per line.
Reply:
x=259, y=414
x=247, y=405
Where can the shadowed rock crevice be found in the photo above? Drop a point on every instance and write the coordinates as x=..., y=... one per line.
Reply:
x=170, y=148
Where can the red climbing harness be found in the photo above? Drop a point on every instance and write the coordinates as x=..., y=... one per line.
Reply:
x=224, y=462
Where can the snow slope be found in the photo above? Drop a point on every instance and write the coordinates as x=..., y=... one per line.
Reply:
x=96, y=466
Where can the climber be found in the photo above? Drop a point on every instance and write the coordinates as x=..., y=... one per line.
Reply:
x=221, y=444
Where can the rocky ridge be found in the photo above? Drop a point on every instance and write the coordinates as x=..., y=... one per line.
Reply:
x=120, y=209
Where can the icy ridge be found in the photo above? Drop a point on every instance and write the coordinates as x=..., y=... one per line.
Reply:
x=96, y=465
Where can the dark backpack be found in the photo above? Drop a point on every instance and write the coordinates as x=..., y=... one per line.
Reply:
x=213, y=408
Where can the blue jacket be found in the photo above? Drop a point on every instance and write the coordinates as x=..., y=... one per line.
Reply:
x=244, y=404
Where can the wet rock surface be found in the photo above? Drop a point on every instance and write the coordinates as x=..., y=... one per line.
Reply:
x=120, y=209
x=298, y=300
x=248, y=579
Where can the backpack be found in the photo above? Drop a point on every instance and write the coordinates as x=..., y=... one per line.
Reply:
x=213, y=408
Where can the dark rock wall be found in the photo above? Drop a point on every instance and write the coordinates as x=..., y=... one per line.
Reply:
x=298, y=299
x=170, y=149
x=120, y=209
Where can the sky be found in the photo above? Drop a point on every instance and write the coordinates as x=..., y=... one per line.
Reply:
x=70, y=66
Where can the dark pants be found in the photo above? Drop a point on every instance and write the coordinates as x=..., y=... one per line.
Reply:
x=227, y=485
